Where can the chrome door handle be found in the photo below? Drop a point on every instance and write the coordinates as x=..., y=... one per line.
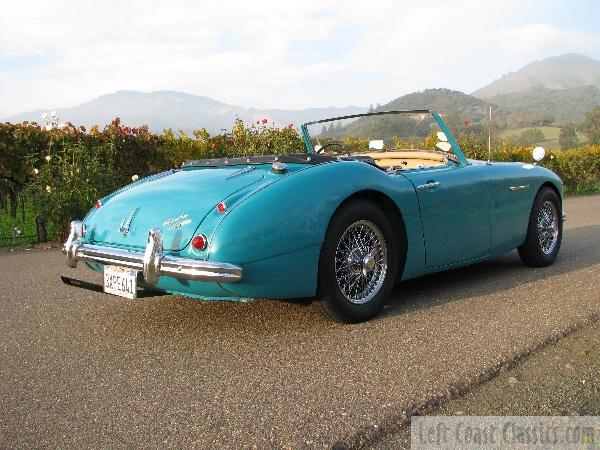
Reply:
x=428, y=185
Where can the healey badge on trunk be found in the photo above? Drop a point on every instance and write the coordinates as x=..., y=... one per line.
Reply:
x=177, y=222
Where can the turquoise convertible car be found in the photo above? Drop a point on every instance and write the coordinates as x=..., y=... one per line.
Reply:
x=360, y=210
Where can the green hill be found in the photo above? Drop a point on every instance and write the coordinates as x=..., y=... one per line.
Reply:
x=455, y=106
x=565, y=105
x=444, y=101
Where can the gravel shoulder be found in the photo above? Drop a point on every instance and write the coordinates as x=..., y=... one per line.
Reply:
x=562, y=379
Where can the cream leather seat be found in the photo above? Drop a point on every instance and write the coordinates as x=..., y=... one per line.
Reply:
x=407, y=159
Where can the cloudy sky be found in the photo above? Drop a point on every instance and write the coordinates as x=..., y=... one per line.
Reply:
x=287, y=54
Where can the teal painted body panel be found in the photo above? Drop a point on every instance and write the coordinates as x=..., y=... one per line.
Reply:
x=287, y=221
x=275, y=224
x=474, y=214
x=184, y=196
x=510, y=210
x=454, y=215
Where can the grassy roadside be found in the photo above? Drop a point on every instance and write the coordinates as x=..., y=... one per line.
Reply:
x=25, y=222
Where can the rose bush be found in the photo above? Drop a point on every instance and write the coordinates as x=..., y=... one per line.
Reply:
x=61, y=172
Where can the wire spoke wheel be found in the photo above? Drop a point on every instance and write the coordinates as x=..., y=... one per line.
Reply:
x=547, y=227
x=544, y=231
x=361, y=261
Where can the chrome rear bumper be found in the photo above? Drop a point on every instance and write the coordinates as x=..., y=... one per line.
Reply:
x=152, y=262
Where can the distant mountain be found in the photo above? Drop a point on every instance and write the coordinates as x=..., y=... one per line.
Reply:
x=565, y=87
x=565, y=105
x=177, y=110
x=567, y=71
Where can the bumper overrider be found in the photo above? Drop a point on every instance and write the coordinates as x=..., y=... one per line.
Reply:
x=152, y=262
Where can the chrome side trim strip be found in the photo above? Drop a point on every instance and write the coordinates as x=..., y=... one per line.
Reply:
x=519, y=188
x=152, y=263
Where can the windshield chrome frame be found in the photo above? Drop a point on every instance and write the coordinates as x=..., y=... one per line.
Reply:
x=457, y=150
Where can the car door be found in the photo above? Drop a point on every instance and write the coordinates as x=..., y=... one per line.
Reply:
x=454, y=205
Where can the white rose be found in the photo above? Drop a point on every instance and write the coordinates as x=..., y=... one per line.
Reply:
x=35, y=171
x=62, y=126
x=48, y=158
x=48, y=189
x=45, y=116
x=48, y=127
x=135, y=178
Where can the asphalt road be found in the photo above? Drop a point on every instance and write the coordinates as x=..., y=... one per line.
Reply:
x=83, y=369
x=561, y=379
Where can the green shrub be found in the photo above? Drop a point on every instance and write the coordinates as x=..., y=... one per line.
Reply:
x=579, y=168
x=68, y=182
x=60, y=173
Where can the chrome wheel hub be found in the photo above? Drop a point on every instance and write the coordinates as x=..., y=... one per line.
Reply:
x=361, y=262
x=368, y=263
x=547, y=226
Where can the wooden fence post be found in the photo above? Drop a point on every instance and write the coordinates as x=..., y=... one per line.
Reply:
x=42, y=233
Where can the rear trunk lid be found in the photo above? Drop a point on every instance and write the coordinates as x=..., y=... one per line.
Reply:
x=176, y=203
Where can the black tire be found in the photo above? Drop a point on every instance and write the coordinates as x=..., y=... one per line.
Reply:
x=542, y=245
x=364, y=263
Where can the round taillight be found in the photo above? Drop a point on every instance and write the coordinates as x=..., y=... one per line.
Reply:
x=98, y=204
x=199, y=242
x=221, y=207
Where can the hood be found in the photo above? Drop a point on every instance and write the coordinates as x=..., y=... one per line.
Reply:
x=177, y=203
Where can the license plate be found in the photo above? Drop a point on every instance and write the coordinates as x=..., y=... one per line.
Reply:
x=120, y=281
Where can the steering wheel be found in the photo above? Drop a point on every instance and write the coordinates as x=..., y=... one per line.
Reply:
x=331, y=144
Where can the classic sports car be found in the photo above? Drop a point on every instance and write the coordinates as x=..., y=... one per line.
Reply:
x=344, y=221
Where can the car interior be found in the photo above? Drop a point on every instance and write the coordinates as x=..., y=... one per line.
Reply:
x=381, y=150
x=406, y=159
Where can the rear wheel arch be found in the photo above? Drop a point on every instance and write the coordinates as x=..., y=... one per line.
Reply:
x=392, y=212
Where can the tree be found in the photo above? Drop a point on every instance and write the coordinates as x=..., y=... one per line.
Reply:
x=591, y=126
x=567, y=137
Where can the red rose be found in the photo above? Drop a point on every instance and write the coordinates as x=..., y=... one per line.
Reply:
x=213, y=145
x=264, y=120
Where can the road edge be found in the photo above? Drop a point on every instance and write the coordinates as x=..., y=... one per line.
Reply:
x=400, y=417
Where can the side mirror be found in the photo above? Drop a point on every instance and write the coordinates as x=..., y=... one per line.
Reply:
x=538, y=153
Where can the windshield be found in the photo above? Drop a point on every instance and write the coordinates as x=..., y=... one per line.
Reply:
x=400, y=135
